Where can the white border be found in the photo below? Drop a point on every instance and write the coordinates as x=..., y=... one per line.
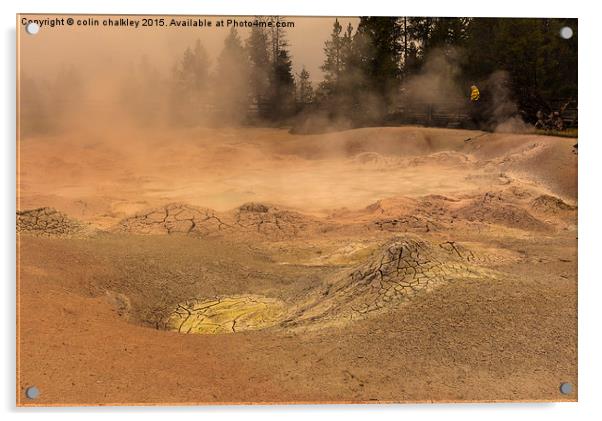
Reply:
x=590, y=167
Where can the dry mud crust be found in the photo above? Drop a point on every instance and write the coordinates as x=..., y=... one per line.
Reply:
x=398, y=214
x=551, y=205
x=174, y=218
x=493, y=209
x=419, y=219
x=225, y=314
x=48, y=222
x=401, y=268
x=437, y=213
x=272, y=221
x=249, y=219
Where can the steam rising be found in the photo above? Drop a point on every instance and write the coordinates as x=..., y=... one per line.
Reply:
x=190, y=88
x=438, y=80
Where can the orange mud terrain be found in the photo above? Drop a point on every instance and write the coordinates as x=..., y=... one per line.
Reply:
x=254, y=265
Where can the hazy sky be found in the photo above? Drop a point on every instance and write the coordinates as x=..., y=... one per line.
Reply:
x=101, y=49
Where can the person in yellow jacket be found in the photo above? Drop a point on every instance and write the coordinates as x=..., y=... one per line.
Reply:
x=474, y=93
x=475, y=106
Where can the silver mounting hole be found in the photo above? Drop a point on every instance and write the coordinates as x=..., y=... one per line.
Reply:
x=32, y=28
x=566, y=32
x=32, y=392
x=566, y=388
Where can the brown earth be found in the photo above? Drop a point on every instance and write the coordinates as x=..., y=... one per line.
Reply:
x=372, y=265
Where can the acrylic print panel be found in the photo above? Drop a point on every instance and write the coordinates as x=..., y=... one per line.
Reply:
x=297, y=209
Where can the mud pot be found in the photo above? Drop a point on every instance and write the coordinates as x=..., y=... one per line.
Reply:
x=253, y=265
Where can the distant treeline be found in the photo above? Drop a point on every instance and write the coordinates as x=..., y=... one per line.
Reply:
x=369, y=72
x=389, y=61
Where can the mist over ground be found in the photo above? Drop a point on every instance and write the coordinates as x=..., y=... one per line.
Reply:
x=323, y=74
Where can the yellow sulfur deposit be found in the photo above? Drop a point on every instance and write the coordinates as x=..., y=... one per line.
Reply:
x=226, y=315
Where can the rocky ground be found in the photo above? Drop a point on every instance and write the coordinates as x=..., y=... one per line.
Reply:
x=374, y=265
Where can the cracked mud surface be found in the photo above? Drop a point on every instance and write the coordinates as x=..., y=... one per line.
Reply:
x=401, y=269
x=248, y=220
x=48, y=222
x=173, y=218
x=225, y=315
x=283, y=268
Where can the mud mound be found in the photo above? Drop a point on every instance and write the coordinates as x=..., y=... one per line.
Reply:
x=272, y=221
x=225, y=315
x=172, y=219
x=48, y=222
x=249, y=219
x=387, y=207
x=509, y=207
x=389, y=275
x=493, y=209
x=425, y=214
x=546, y=160
x=551, y=205
x=399, y=214
x=402, y=268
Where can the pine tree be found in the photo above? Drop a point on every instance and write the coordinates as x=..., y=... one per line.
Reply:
x=189, y=85
x=232, y=78
x=282, y=87
x=379, y=47
x=200, y=67
x=333, y=63
x=305, y=90
x=405, y=50
x=420, y=30
x=541, y=66
x=260, y=67
x=281, y=92
x=347, y=46
x=278, y=39
x=337, y=93
x=447, y=33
